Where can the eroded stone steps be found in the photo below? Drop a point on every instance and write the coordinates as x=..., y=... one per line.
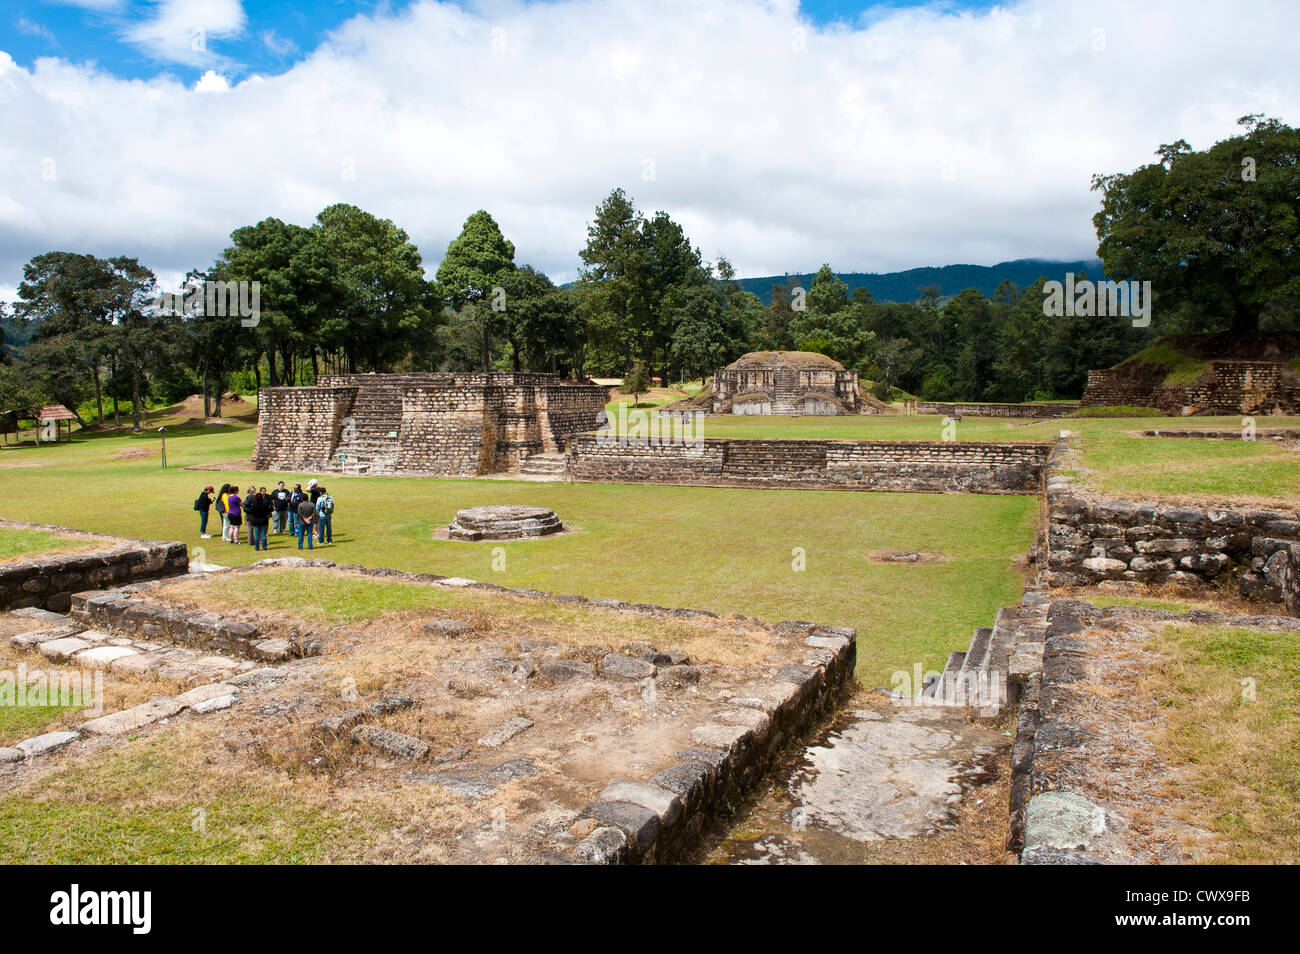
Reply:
x=214, y=683
x=545, y=465
x=119, y=614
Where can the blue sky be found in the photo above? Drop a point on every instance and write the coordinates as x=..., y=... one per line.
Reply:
x=273, y=35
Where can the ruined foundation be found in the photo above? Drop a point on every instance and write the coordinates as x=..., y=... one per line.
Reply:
x=503, y=523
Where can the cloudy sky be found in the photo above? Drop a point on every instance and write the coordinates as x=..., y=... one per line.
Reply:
x=780, y=134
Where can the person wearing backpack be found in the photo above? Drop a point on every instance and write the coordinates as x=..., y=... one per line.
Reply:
x=295, y=498
x=223, y=510
x=234, y=513
x=324, y=515
x=203, y=505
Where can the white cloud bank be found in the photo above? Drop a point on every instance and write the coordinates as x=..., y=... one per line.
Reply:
x=921, y=138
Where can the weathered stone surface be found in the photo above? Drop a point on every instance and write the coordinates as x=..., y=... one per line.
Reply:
x=42, y=616
x=614, y=666
x=396, y=744
x=48, y=742
x=564, y=670
x=507, y=522
x=687, y=780
x=677, y=677
x=604, y=846
x=271, y=650
x=1105, y=567
x=667, y=805
x=446, y=627
x=198, y=694
x=139, y=664
x=333, y=726
x=101, y=657
x=641, y=824
x=8, y=754
x=725, y=737
x=33, y=638
x=504, y=733
x=257, y=678
x=136, y=717
x=61, y=650
x=390, y=704
x=1062, y=820
x=216, y=703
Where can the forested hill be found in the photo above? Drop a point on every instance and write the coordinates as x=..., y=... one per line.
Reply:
x=951, y=279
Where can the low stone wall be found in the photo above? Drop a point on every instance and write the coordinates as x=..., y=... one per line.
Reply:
x=958, y=409
x=1074, y=737
x=661, y=821
x=1091, y=539
x=925, y=466
x=48, y=582
x=1224, y=387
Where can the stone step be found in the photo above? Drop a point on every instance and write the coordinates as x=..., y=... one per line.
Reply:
x=977, y=656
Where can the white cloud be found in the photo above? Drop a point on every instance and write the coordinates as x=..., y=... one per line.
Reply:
x=180, y=30
x=32, y=28
x=917, y=138
x=212, y=82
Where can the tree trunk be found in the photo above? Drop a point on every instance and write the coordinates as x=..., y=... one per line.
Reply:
x=270, y=360
x=99, y=394
x=112, y=383
x=135, y=398
x=1245, y=320
x=207, y=405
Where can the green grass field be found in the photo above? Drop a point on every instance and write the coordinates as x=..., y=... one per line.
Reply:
x=16, y=542
x=1115, y=458
x=726, y=550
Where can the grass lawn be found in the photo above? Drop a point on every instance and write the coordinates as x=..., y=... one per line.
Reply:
x=1238, y=753
x=726, y=550
x=1115, y=458
x=17, y=543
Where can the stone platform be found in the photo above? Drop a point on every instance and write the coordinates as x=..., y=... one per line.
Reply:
x=503, y=523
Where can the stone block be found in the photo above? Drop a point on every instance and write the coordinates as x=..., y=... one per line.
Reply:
x=136, y=717
x=505, y=732
x=398, y=745
x=48, y=742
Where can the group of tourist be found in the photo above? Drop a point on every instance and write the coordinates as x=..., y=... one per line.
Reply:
x=304, y=513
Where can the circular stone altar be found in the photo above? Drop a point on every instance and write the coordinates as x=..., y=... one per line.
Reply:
x=503, y=523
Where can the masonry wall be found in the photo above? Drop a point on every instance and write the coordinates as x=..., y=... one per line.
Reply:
x=439, y=424
x=1095, y=539
x=958, y=409
x=928, y=466
x=49, y=582
x=1226, y=387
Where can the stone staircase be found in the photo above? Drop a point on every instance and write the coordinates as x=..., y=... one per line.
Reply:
x=376, y=444
x=990, y=673
x=545, y=466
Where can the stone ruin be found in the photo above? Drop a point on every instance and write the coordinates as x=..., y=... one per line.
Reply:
x=791, y=383
x=503, y=523
x=443, y=424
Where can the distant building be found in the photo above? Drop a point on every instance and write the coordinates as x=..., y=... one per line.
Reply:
x=792, y=383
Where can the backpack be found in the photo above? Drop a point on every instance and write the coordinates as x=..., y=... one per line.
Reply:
x=325, y=505
x=198, y=503
x=221, y=504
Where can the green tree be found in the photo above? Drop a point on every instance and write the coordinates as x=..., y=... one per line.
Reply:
x=388, y=308
x=1217, y=229
x=475, y=264
x=637, y=381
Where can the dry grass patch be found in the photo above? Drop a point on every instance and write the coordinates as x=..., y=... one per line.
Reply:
x=1238, y=752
